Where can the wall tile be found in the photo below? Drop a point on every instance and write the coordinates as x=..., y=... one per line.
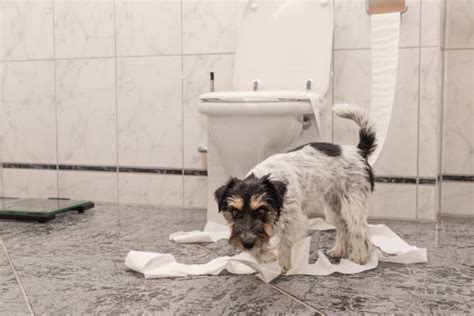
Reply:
x=431, y=13
x=458, y=127
x=151, y=189
x=393, y=201
x=460, y=24
x=430, y=106
x=196, y=71
x=427, y=202
x=352, y=80
x=24, y=183
x=26, y=30
x=458, y=198
x=28, y=118
x=85, y=185
x=210, y=26
x=84, y=28
x=195, y=191
x=149, y=107
x=148, y=27
x=86, y=111
x=352, y=25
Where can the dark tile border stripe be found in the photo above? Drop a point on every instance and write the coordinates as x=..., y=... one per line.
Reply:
x=195, y=172
x=431, y=181
x=150, y=170
x=455, y=177
x=87, y=168
x=122, y=169
x=200, y=172
x=404, y=180
x=13, y=165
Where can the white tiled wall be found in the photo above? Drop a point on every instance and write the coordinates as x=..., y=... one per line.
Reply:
x=149, y=111
x=27, y=30
x=26, y=183
x=85, y=97
x=28, y=118
x=148, y=27
x=84, y=28
x=112, y=83
x=150, y=189
x=458, y=108
x=210, y=27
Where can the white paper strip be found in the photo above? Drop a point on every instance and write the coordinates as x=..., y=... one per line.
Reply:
x=212, y=233
x=385, y=33
x=158, y=265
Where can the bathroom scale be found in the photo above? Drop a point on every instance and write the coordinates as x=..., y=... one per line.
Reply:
x=41, y=210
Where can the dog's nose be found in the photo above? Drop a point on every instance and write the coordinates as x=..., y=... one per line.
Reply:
x=248, y=243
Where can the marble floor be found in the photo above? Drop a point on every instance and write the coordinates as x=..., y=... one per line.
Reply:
x=75, y=265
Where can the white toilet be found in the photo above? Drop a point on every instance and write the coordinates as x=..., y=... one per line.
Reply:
x=281, y=73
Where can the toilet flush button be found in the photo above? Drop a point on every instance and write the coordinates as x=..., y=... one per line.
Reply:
x=253, y=6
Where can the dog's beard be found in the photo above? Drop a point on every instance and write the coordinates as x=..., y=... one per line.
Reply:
x=260, y=235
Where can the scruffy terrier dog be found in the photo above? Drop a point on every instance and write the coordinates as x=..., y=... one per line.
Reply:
x=268, y=210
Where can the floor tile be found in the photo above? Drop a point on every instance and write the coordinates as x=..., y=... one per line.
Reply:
x=12, y=301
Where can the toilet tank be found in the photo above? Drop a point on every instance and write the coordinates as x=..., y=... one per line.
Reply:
x=284, y=43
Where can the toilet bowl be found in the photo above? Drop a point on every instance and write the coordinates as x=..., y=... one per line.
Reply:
x=249, y=126
x=281, y=74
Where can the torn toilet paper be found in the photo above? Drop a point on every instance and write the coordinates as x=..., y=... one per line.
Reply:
x=390, y=248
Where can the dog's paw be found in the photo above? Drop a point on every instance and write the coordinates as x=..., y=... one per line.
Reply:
x=336, y=252
x=359, y=259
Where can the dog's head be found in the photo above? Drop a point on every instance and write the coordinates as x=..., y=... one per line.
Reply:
x=251, y=206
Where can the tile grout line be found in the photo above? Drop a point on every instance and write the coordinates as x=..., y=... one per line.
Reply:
x=293, y=297
x=182, y=103
x=1, y=118
x=2, y=100
x=17, y=277
x=116, y=106
x=112, y=57
x=417, y=189
x=208, y=54
x=272, y=286
x=441, y=85
x=55, y=99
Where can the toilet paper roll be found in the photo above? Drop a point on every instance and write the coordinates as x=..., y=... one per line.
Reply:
x=385, y=33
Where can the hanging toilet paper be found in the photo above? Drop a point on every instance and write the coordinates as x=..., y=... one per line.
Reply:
x=385, y=30
x=390, y=248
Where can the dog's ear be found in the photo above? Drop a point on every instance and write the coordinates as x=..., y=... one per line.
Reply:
x=221, y=193
x=276, y=189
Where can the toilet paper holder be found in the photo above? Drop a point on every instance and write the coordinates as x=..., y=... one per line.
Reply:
x=385, y=6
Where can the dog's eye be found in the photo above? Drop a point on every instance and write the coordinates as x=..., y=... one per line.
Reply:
x=261, y=211
x=234, y=212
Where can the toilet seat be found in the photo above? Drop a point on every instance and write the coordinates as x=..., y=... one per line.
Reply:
x=257, y=103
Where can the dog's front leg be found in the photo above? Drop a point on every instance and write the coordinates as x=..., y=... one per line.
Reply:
x=292, y=227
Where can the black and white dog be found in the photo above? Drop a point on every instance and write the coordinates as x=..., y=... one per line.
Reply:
x=268, y=210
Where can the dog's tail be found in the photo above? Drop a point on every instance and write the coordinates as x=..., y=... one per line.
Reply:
x=367, y=143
